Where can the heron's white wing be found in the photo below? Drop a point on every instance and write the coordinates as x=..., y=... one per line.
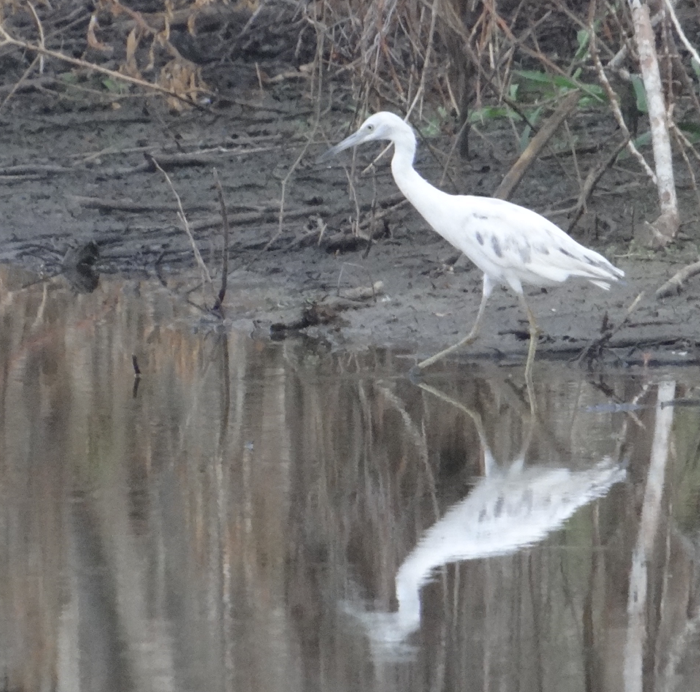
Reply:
x=511, y=243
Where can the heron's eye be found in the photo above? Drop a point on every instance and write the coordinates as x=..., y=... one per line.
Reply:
x=370, y=127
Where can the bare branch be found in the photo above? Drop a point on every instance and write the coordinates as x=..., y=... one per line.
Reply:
x=615, y=106
x=206, y=277
x=664, y=228
x=681, y=34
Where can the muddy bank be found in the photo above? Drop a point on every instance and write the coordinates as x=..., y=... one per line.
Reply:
x=74, y=173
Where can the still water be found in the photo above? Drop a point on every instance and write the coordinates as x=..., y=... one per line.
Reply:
x=275, y=517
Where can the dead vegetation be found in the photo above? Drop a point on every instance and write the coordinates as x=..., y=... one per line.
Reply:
x=455, y=68
x=451, y=65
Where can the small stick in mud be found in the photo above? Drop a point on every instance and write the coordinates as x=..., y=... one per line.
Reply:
x=369, y=276
x=186, y=226
x=224, y=267
x=285, y=182
x=595, y=348
x=137, y=377
x=19, y=82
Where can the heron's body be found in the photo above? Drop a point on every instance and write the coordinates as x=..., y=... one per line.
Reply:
x=511, y=245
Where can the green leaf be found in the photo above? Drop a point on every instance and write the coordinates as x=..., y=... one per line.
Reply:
x=696, y=67
x=114, y=86
x=534, y=76
x=643, y=140
x=640, y=142
x=691, y=130
x=69, y=77
x=492, y=113
x=562, y=83
x=640, y=93
x=527, y=130
x=583, y=38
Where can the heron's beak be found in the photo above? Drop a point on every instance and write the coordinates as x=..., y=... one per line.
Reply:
x=348, y=142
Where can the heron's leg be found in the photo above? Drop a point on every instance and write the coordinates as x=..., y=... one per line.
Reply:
x=469, y=338
x=532, y=349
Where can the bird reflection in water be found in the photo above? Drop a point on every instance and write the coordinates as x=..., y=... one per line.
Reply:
x=507, y=509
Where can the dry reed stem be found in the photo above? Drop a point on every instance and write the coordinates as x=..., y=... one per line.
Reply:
x=285, y=183
x=594, y=175
x=679, y=30
x=639, y=593
x=224, y=263
x=683, y=143
x=6, y=39
x=40, y=29
x=615, y=106
x=426, y=63
x=353, y=194
x=615, y=63
x=317, y=119
x=685, y=80
x=19, y=82
x=664, y=228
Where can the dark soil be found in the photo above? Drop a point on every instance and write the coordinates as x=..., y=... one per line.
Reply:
x=77, y=169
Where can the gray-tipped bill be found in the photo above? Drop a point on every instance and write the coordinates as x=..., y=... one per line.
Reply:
x=348, y=142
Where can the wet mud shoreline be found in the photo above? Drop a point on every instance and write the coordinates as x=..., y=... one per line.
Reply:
x=84, y=176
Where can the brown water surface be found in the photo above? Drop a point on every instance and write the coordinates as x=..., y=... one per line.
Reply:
x=252, y=515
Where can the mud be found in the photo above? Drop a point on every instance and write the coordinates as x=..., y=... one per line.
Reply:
x=80, y=170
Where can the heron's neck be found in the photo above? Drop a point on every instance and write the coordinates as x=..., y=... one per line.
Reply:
x=418, y=191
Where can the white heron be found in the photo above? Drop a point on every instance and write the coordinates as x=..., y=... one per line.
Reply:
x=511, y=245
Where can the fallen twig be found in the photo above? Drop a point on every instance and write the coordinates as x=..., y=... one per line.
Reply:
x=165, y=161
x=346, y=242
x=213, y=147
x=263, y=219
x=265, y=212
x=327, y=310
x=674, y=285
x=34, y=168
x=129, y=206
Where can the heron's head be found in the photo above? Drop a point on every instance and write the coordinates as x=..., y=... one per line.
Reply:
x=382, y=125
